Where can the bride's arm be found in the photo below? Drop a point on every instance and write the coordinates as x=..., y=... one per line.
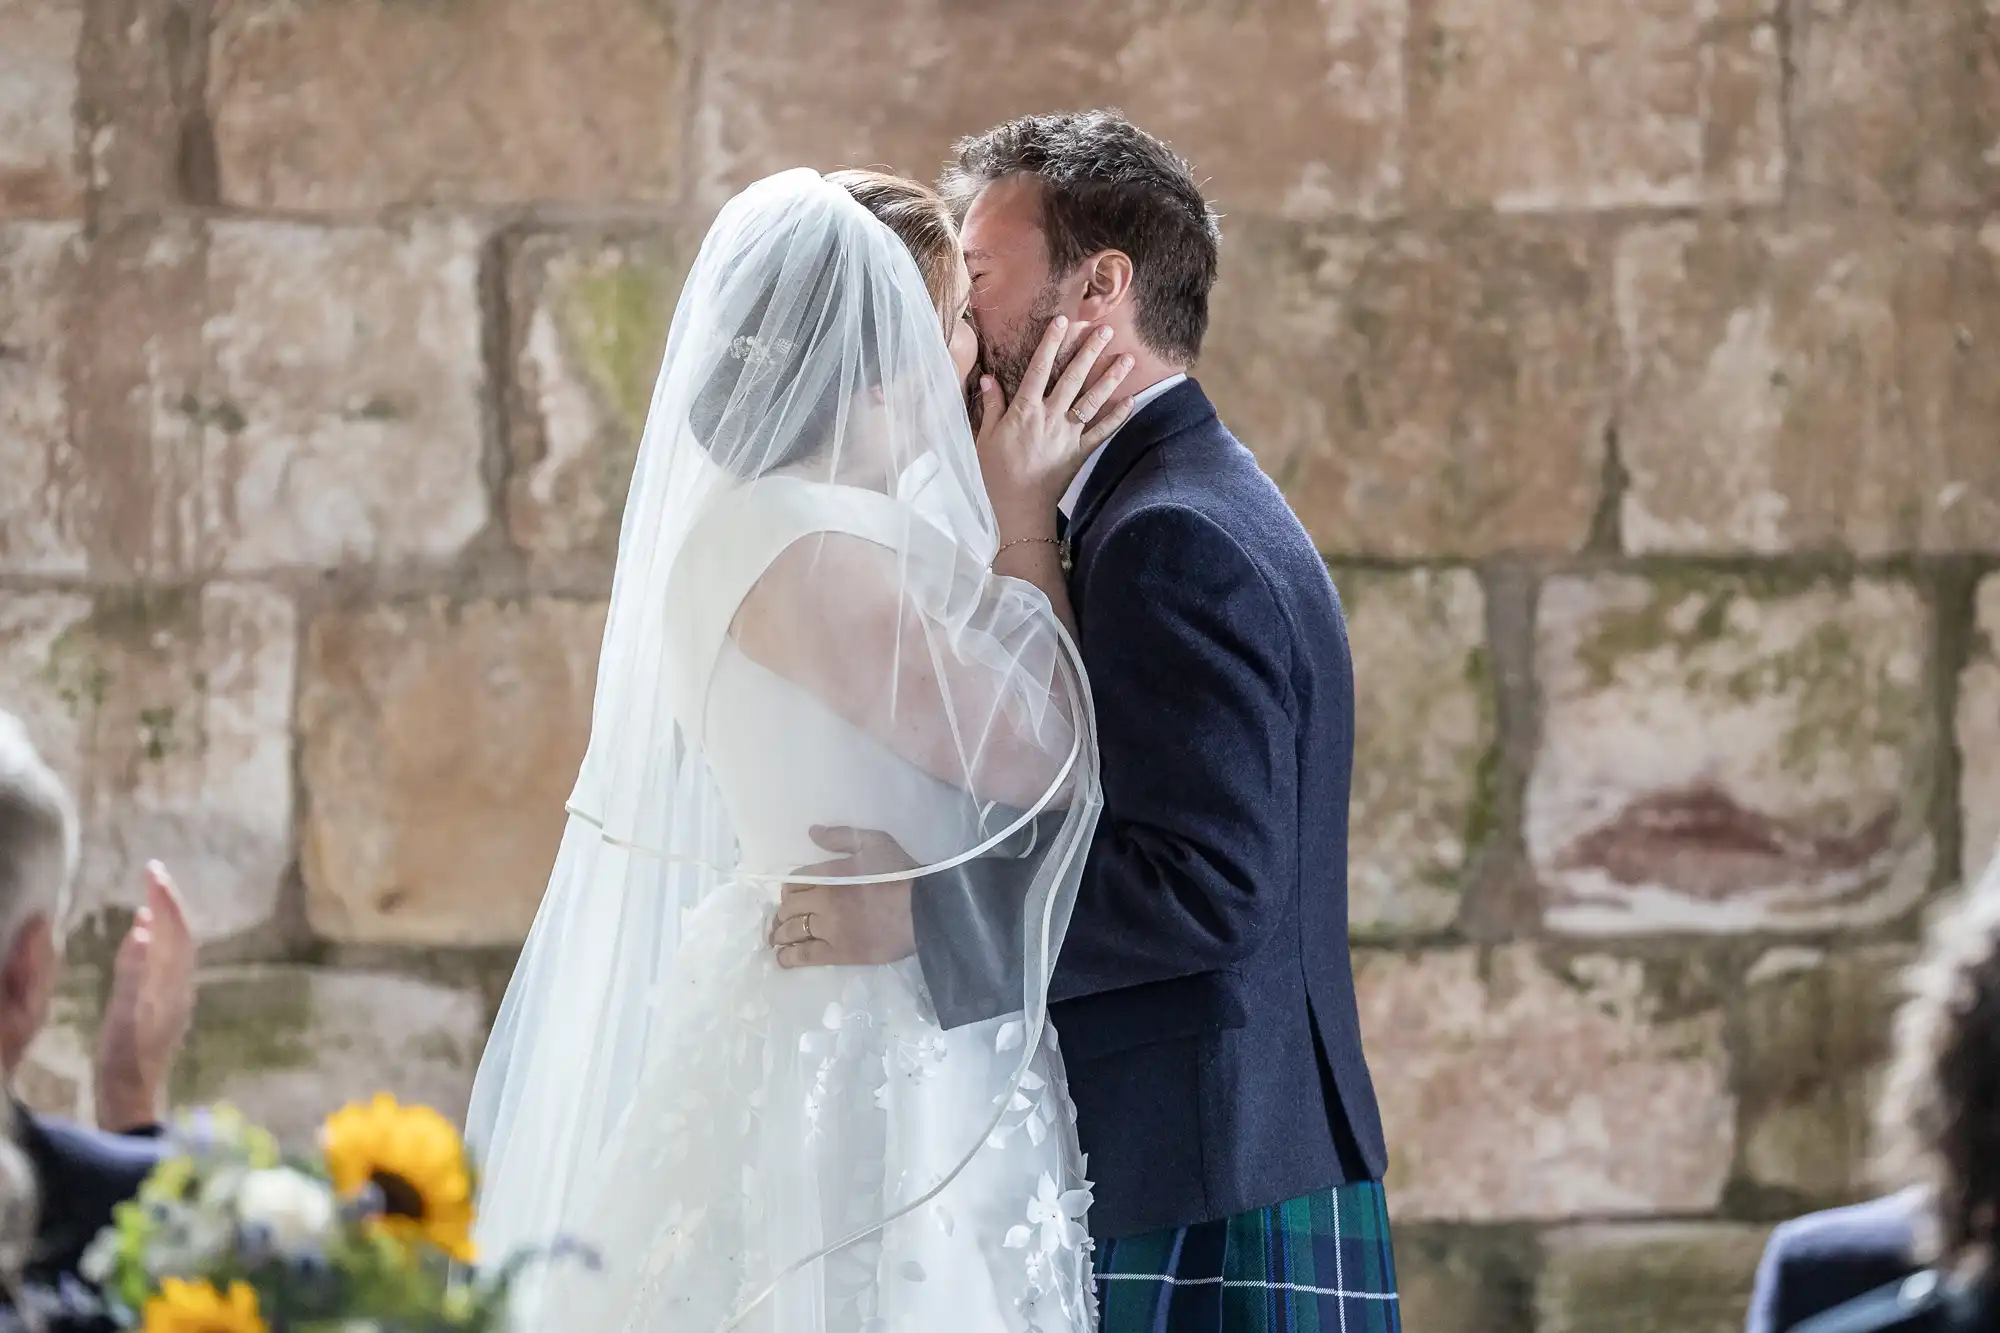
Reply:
x=980, y=705
x=1031, y=448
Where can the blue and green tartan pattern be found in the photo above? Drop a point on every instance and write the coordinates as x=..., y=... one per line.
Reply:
x=1320, y=1264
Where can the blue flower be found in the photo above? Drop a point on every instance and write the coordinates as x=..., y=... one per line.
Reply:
x=569, y=1247
x=198, y=1131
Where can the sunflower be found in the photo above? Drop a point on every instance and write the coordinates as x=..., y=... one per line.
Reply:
x=197, y=1307
x=416, y=1162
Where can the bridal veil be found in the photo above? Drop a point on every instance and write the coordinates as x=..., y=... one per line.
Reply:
x=805, y=353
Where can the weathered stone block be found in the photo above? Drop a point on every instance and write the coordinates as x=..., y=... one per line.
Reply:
x=1524, y=1088
x=143, y=67
x=1452, y=1279
x=799, y=82
x=590, y=325
x=38, y=273
x=134, y=498
x=1596, y=103
x=440, y=743
x=1823, y=388
x=1424, y=739
x=1661, y=1278
x=1979, y=737
x=169, y=714
x=1896, y=103
x=357, y=104
x=1810, y=1036
x=287, y=1046
x=38, y=157
x=1723, y=755
x=58, y=1076
x=1420, y=393
x=248, y=396
x=341, y=418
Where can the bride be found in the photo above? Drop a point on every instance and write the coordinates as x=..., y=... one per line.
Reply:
x=807, y=630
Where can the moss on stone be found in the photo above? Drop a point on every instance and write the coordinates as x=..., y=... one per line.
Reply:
x=1671, y=1278
x=1842, y=695
x=1630, y=631
x=614, y=318
x=156, y=732
x=222, y=412
x=75, y=671
x=1482, y=810
x=439, y=1048
x=253, y=1023
x=1634, y=631
x=137, y=614
x=123, y=618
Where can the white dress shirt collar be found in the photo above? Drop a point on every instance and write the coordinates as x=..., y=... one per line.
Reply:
x=1139, y=400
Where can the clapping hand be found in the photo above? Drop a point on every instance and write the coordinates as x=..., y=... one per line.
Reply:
x=152, y=999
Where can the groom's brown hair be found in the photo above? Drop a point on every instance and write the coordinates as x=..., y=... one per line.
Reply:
x=1106, y=184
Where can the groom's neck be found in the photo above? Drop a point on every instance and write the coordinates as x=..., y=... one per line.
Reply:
x=1148, y=367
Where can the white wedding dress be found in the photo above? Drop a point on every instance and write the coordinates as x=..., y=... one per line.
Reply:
x=807, y=1150
x=840, y=1077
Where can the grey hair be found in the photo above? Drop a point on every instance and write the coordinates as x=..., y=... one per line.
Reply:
x=38, y=835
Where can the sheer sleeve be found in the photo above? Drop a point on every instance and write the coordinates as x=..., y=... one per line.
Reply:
x=970, y=698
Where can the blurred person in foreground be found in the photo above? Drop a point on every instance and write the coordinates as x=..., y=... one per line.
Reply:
x=62, y=1305
x=81, y=1174
x=1920, y=1260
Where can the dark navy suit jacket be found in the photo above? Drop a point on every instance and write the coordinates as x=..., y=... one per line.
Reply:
x=82, y=1174
x=1204, y=996
x=1822, y=1260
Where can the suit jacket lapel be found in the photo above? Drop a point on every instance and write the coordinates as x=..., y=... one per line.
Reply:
x=1174, y=411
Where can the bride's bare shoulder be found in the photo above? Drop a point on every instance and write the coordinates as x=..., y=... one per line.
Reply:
x=821, y=587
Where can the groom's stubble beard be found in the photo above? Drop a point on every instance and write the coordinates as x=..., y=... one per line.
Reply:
x=1005, y=354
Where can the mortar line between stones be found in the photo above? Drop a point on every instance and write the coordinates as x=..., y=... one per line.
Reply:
x=1786, y=24
x=1954, y=596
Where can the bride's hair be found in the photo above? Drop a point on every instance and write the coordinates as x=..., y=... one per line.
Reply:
x=920, y=219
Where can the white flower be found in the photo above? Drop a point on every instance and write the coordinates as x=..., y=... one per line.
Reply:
x=677, y=1228
x=99, y=1258
x=186, y=1241
x=295, y=1211
x=1055, y=1213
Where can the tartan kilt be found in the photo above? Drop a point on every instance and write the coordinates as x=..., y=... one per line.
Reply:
x=1320, y=1264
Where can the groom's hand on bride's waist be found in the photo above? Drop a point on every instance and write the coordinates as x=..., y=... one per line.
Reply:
x=819, y=925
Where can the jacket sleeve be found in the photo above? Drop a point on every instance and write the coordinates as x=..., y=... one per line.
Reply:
x=1190, y=660
x=968, y=924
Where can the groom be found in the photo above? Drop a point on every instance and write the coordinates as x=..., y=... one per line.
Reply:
x=1204, y=995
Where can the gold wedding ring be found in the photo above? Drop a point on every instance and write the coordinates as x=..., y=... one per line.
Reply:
x=806, y=924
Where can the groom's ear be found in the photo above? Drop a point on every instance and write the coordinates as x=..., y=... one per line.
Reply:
x=1107, y=284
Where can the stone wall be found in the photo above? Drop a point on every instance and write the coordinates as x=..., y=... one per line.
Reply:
x=1632, y=361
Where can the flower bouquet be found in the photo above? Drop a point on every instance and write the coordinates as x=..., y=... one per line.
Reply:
x=373, y=1235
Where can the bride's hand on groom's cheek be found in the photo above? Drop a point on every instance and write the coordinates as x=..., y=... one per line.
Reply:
x=1030, y=448
x=821, y=925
